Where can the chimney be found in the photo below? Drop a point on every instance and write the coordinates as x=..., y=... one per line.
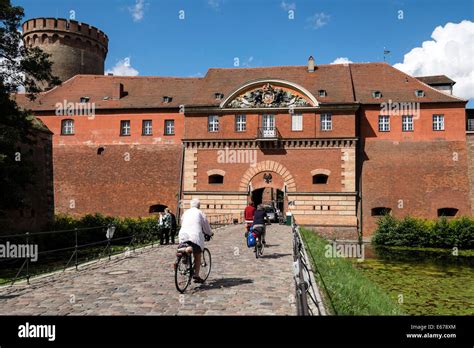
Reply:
x=117, y=91
x=310, y=64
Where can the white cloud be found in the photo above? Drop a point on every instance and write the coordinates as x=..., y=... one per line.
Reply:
x=138, y=10
x=450, y=53
x=288, y=6
x=341, y=60
x=123, y=68
x=318, y=20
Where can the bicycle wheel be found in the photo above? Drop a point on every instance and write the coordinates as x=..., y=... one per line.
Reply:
x=256, y=251
x=183, y=273
x=206, y=263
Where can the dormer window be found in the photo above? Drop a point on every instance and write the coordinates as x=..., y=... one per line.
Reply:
x=322, y=93
x=419, y=93
x=167, y=99
x=376, y=94
x=219, y=96
x=84, y=99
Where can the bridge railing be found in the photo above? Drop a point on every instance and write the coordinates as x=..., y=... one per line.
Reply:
x=58, y=250
x=30, y=254
x=308, y=298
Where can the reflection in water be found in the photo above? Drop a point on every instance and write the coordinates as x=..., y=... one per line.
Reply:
x=426, y=282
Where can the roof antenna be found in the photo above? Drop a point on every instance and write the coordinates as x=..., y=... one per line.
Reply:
x=385, y=53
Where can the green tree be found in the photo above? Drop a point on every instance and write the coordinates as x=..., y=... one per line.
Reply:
x=20, y=68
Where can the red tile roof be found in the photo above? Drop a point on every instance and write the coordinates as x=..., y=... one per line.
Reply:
x=436, y=80
x=344, y=83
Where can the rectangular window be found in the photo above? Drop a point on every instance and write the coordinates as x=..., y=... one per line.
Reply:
x=213, y=123
x=147, y=127
x=169, y=127
x=296, y=122
x=384, y=123
x=407, y=123
x=240, y=123
x=268, y=126
x=67, y=127
x=125, y=127
x=438, y=122
x=326, y=122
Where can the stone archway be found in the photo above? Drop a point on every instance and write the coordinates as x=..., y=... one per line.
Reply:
x=268, y=166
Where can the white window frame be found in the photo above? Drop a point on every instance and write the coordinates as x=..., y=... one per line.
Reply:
x=169, y=127
x=326, y=122
x=438, y=122
x=125, y=127
x=384, y=123
x=240, y=123
x=147, y=127
x=213, y=123
x=407, y=123
x=297, y=122
x=67, y=127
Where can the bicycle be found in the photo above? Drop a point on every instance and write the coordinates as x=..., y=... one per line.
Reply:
x=258, y=248
x=184, y=267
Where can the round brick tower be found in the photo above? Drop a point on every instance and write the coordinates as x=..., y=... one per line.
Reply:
x=75, y=48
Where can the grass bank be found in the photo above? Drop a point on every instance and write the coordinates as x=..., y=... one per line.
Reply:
x=347, y=291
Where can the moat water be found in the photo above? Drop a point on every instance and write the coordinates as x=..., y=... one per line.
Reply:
x=423, y=282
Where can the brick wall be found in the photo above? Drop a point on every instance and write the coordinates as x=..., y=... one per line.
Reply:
x=39, y=200
x=470, y=151
x=414, y=178
x=299, y=162
x=125, y=180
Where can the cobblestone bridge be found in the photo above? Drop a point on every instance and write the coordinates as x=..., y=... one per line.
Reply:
x=143, y=283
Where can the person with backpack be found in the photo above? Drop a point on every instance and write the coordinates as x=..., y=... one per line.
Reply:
x=260, y=219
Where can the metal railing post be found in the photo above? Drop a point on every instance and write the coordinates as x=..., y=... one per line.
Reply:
x=28, y=259
x=76, y=248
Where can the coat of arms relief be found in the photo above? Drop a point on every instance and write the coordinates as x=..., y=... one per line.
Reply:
x=268, y=97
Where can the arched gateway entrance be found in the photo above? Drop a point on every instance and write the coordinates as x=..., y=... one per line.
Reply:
x=268, y=182
x=269, y=196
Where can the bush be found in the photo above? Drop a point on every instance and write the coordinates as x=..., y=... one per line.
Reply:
x=415, y=232
x=142, y=229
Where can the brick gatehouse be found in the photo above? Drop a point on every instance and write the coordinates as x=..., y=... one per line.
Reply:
x=336, y=145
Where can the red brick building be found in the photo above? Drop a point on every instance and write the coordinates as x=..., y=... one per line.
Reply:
x=336, y=145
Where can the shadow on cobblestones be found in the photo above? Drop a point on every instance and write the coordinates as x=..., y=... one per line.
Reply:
x=225, y=283
x=273, y=256
x=5, y=297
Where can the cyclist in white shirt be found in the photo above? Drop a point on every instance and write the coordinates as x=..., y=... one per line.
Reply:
x=194, y=225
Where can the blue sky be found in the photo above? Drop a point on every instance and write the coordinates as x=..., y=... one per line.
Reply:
x=258, y=32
